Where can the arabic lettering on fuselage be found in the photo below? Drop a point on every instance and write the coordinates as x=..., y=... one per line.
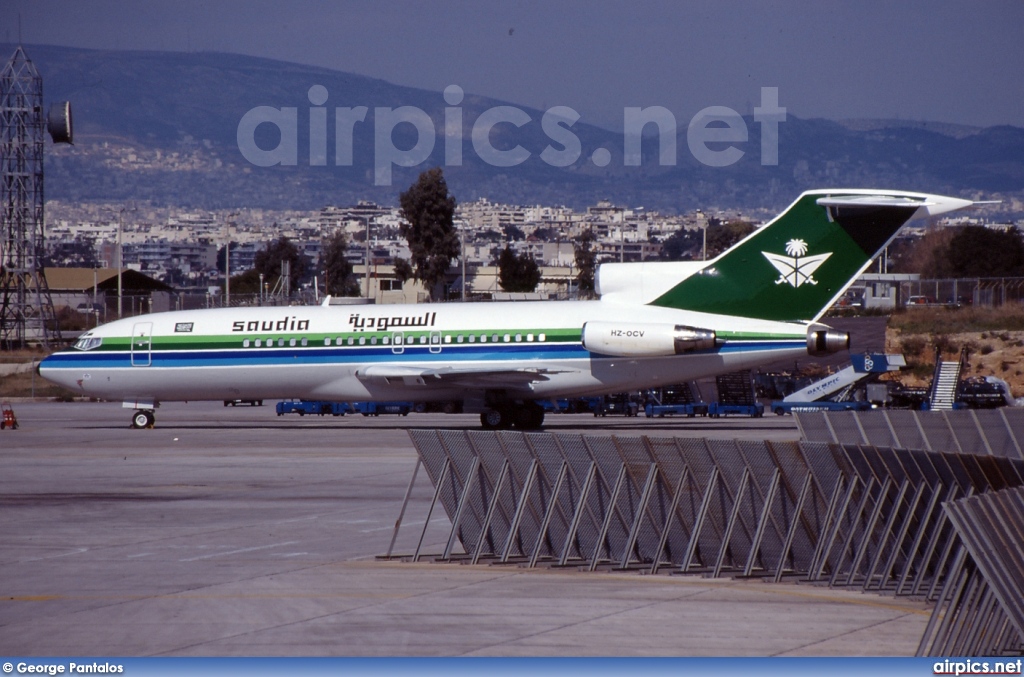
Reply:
x=360, y=323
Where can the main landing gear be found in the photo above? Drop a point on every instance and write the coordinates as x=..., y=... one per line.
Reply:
x=143, y=418
x=523, y=416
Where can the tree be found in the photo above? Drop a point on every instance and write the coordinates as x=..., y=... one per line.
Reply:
x=337, y=269
x=80, y=252
x=547, y=234
x=586, y=262
x=514, y=233
x=246, y=283
x=428, y=211
x=973, y=251
x=679, y=246
x=925, y=255
x=517, y=273
x=268, y=262
x=976, y=251
x=722, y=236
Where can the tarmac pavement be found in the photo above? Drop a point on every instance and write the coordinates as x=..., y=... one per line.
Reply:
x=229, y=531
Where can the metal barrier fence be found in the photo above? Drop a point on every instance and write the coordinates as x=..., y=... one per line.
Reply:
x=985, y=291
x=986, y=432
x=846, y=515
x=980, y=609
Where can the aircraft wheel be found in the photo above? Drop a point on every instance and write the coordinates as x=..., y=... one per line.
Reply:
x=529, y=416
x=493, y=419
x=143, y=419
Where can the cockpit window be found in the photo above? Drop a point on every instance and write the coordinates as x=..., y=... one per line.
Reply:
x=88, y=343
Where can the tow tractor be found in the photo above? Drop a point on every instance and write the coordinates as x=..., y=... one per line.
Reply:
x=9, y=420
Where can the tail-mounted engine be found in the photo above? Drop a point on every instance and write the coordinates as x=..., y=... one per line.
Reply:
x=827, y=341
x=627, y=339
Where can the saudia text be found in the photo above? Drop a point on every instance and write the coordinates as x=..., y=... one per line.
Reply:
x=287, y=324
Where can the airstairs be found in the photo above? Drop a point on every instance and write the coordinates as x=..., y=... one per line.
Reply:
x=945, y=382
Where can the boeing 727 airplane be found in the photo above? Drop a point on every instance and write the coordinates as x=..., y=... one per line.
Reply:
x=655, y=324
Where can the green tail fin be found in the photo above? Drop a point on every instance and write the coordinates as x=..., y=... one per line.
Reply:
x=795, y=267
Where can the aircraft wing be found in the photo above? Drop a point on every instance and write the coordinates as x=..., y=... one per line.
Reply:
x=454, y=377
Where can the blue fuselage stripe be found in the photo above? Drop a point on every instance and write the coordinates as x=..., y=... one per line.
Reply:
x=288, y=356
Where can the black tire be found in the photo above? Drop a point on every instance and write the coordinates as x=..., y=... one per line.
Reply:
x=528, y=416
x=143, y=419
x=494, y=419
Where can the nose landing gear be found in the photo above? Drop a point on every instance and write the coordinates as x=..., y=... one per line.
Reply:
x=143, y=418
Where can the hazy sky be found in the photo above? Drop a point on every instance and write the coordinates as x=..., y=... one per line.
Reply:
x=954, y=61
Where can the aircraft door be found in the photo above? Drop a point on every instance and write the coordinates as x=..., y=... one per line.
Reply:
x=398, y=343
x=142, y=344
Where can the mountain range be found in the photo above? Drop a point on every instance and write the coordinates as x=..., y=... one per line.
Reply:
x=163, y=127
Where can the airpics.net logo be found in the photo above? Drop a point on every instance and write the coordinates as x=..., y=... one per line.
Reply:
x=714, y=136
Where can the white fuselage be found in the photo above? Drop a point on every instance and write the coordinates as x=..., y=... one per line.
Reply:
x=380, y=353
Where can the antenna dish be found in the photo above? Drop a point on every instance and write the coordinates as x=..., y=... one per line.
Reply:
x=58, y=122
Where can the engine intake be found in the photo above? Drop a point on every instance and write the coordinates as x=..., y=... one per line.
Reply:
x=827, y=341
x=628, y=339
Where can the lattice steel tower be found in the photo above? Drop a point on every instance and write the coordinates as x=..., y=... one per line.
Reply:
x=26, y=309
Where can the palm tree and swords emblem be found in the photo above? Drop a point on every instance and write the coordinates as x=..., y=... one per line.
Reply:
x=796, y=269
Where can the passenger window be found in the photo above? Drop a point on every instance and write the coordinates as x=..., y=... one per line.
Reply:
x=280, y=343
x=291, y=343
x=519, y=338
x=529, y=337
x=305, y=342
x=245, y=343
x=259, y=343
x=494, y=338
x=351, y=341
x=373, y=340
x=543, y=337
x=362, y=340
x=507, y=338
